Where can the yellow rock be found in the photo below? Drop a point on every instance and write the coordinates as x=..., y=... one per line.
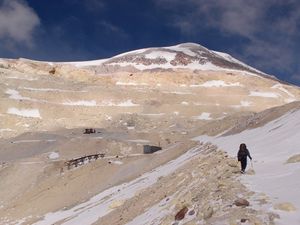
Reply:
x=250, y=172
x=182, y=201
x=208, y=212
x=285, y=206
x=167, y=221
x=233, y=163
x=294, y=159
x=116, y=204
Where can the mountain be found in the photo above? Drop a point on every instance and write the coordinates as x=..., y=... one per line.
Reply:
x=177, y=82
x=196, y=104
x=188, y=56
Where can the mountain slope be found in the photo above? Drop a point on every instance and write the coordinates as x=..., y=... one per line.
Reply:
x=157, y=96
x=273, y=147
x=46, y=95
x=205, y=180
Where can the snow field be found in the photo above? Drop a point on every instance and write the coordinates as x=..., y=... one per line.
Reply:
x=14, y=94
x=169, y=56
x=243, y=104
x=131, y=83
x=271, y=146
x=81, y=103
x=281, y=88
x=217, y=83
x=264, y=94
x=49, y=89
x=53, y=155
x=184, y=50
x=90, y=103
x=33, y=113
x=32, y=141
x=21, y=78
x=98, y=206
x=204, y=116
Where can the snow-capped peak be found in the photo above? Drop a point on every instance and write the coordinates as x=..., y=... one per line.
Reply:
x=182, y=56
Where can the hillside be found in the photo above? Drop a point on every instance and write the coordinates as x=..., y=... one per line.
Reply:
x=179, y=98
x=274, y=147
x=47, y=96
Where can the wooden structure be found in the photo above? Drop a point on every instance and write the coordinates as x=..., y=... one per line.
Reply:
x=89, y=131
x=80, y=161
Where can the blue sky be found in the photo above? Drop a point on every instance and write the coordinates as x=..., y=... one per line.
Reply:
x=262, y=33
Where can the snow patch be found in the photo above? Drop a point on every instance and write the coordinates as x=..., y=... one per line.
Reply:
x=116, y=162
x=179, y=48
x=34, y=113
x=270, y=146
x=22, y=78
x=217, y=83
x=131, y=83
x=289, y=100
x=81, y=103
x=246, y=103
x=14, y=94
x=169, y=56
x=127, y=103
x=6, y=130
x=152, y=114
x=264, y=94
x=154, y=214
x=204, y=116
x=177, y=92
x=98, y=206
x=231, y=59
x=243, y=104
x=53, y=155
x=48, y=89
x=87, y=63
x=280, y=87
x=108, y=118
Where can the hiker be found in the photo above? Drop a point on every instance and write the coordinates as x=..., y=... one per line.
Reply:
x=242, y=156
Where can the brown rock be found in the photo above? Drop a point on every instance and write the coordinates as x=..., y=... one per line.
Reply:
x=52, y=71
x=181, y=214
x=241, y=202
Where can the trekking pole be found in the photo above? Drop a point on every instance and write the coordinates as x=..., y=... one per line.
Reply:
x=251, y=164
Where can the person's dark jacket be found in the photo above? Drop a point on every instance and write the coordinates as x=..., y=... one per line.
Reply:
x=243, y=153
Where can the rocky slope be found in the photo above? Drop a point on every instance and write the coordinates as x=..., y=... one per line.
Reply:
x=46, y=96
x=158, y=96
x=272, y=137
